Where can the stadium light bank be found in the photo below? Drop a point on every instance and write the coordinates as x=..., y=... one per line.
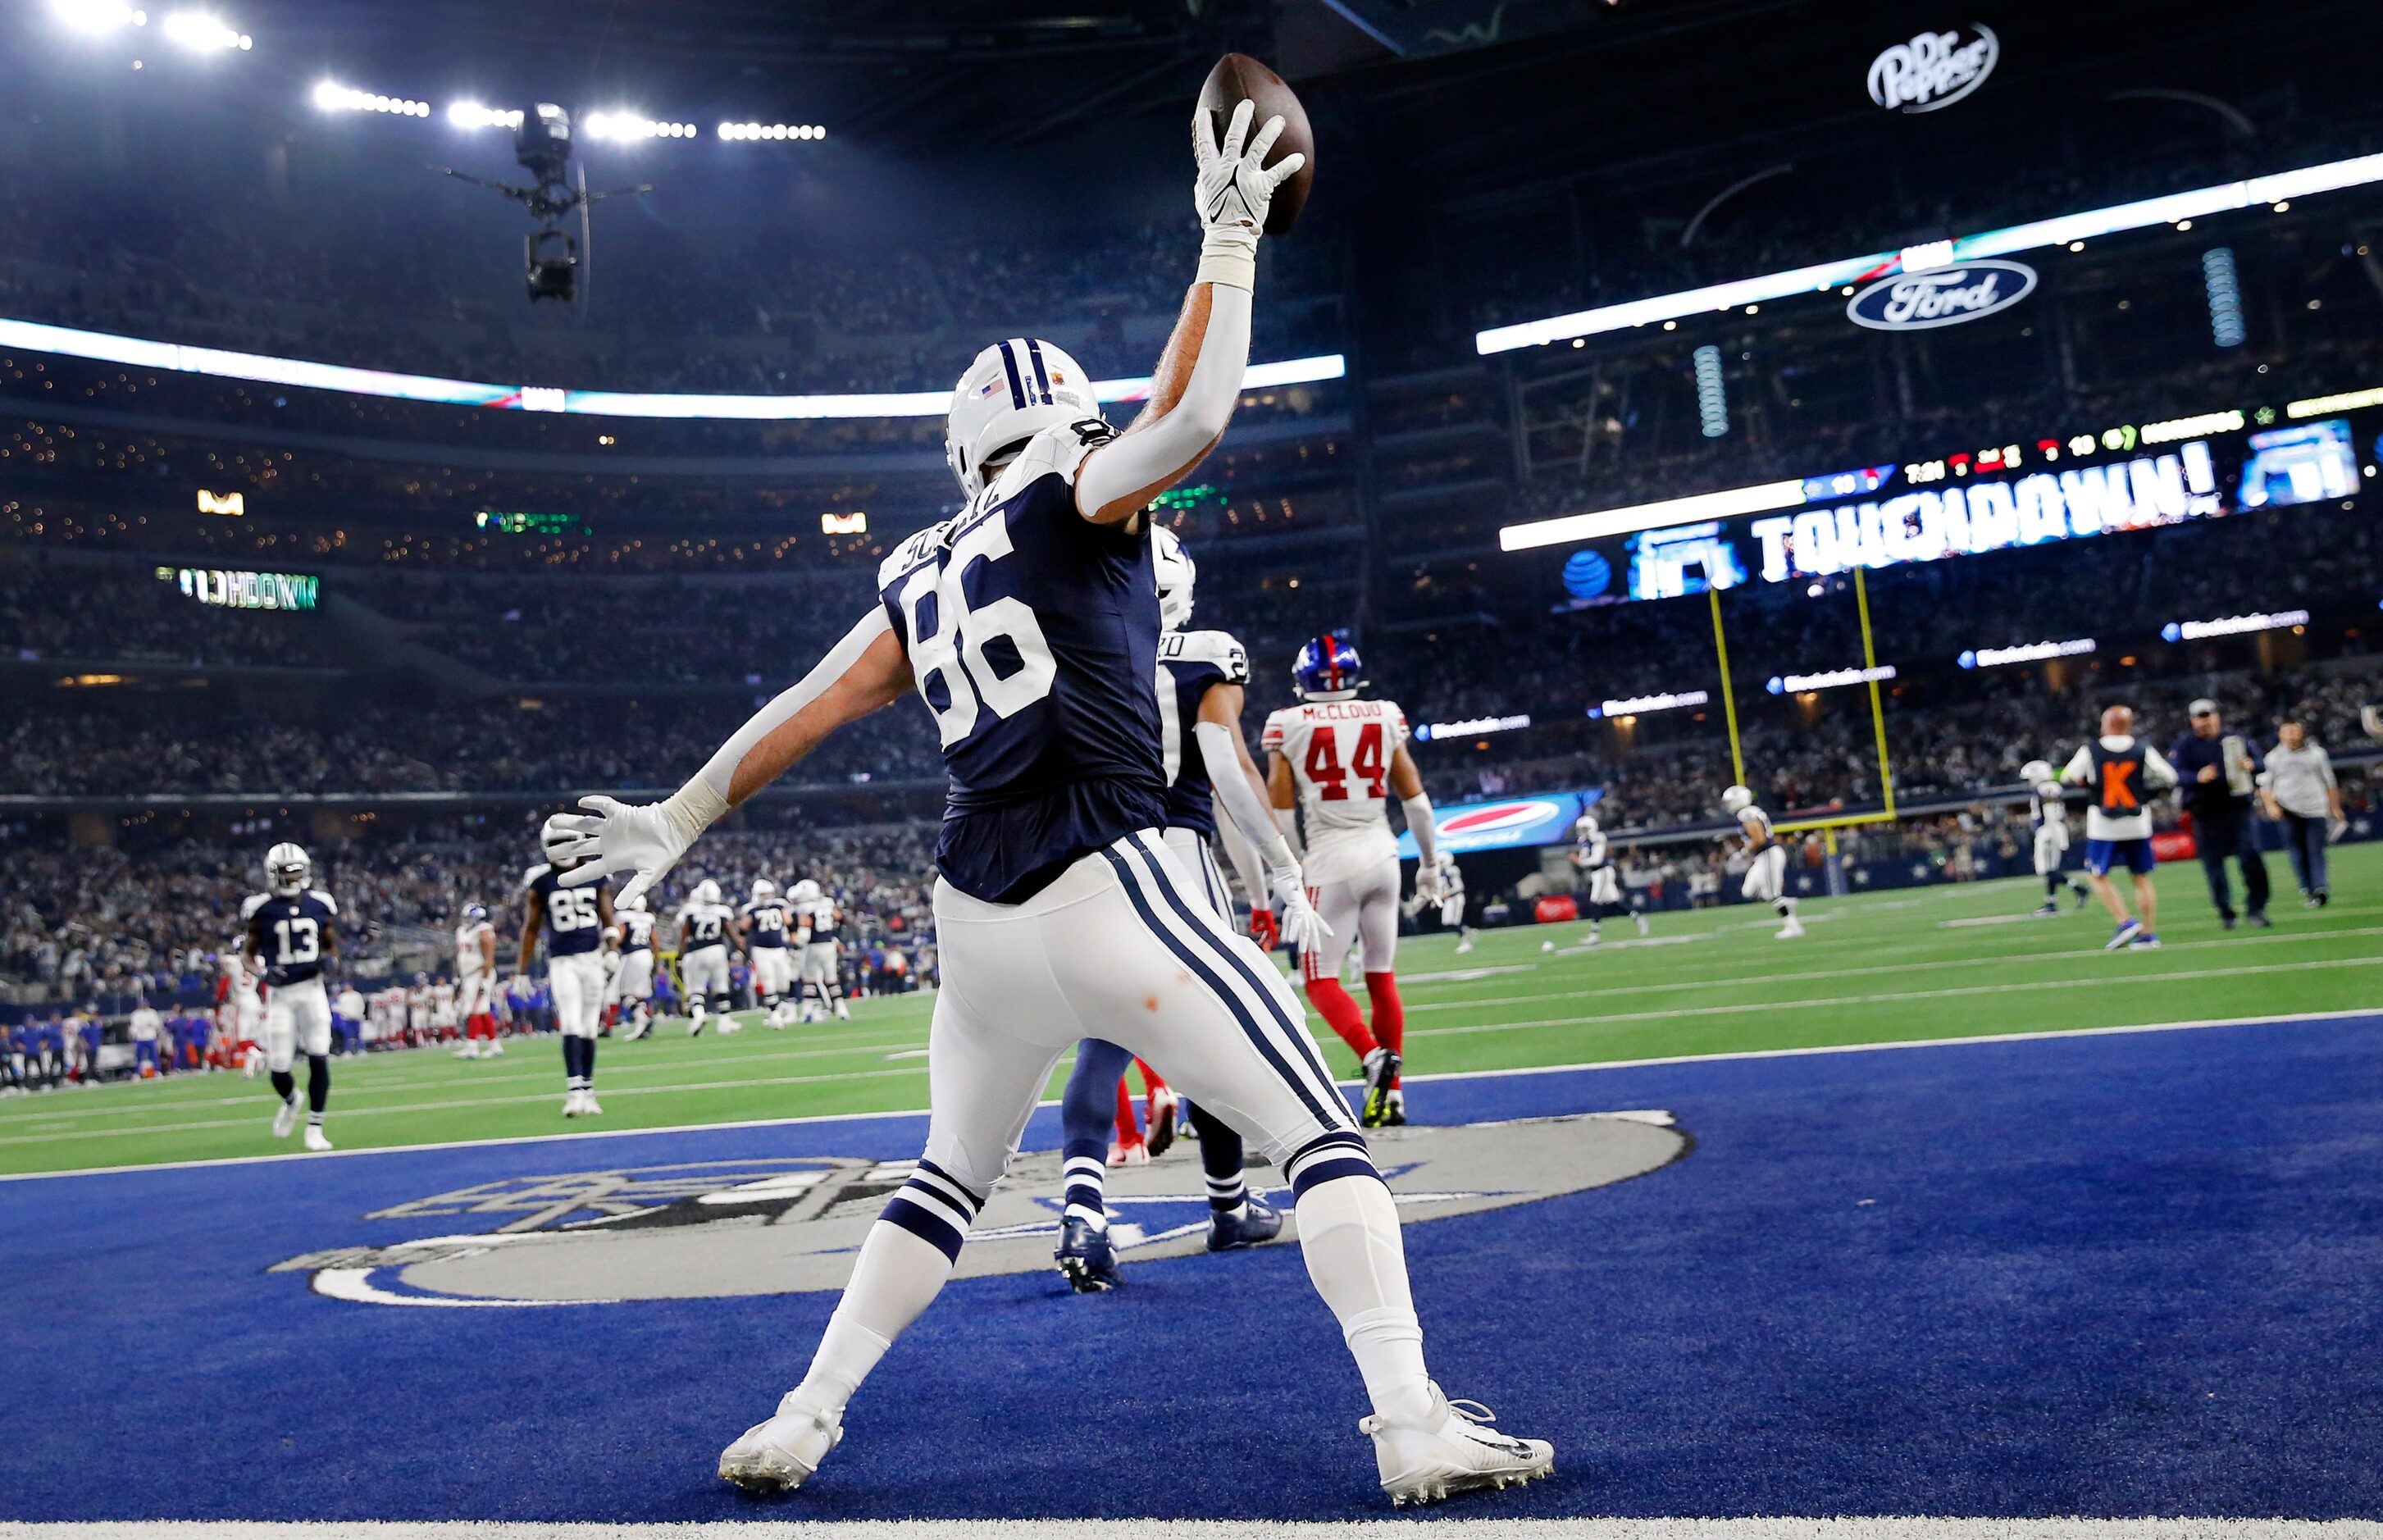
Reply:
x=2280, y=188
x=140, y=353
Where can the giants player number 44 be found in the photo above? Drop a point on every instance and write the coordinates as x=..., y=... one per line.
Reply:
x=1337, y=758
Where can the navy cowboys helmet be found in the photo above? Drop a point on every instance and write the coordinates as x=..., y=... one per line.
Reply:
x=1014, y=390
x=1177, y=573
x=287, y=870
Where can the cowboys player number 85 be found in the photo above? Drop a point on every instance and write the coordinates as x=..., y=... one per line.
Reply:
x=1029, y=623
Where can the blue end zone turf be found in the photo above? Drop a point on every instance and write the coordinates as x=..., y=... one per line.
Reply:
x=2098, y=1274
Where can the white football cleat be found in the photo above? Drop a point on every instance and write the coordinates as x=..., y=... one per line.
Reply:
x=1790, y=930
x=469, y=1050
x=1453, y=1449
x=491, y=1048
x=286, y=1120
x=587, y=1107
x=315, y=1140
x=781, y=1454
x=571, y=1103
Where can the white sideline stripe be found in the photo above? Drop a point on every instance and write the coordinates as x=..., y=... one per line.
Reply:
x=2352, y=1014
x=2130, y=981
x=1224, y=1529
x=2048, y=1034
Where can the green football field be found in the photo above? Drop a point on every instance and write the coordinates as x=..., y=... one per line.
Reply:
x=1954, y=961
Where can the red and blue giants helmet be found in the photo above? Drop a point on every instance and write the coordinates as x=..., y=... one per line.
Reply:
x=1327, y=669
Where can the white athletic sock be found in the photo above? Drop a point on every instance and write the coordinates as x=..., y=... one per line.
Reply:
x=1349, y=1234
x=897, y=1276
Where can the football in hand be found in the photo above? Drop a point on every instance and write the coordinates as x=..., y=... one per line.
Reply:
x=1239, y=77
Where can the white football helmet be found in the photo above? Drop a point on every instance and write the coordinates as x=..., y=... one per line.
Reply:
x=763, y=889
x=1444, y=859
x=1583, y=827
x=705, y=891
x=2035, y=772
x=1014, y=390
x=1177, y=573
x=552, y=834
x=287, y=870
x=805, y=891
x=475, y=913
x=632, y=901
x=1737, y=799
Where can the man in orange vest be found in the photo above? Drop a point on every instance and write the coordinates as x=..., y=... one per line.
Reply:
x=2123, y=774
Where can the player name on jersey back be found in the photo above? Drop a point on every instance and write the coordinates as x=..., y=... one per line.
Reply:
x=1191, y=663
x=1340, y=754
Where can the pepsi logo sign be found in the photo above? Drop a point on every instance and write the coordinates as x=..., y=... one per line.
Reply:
x=1942, y=297
x=1495, y=818
x=1934, y=69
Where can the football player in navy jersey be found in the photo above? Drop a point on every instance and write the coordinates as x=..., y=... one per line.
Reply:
x=761, y=934
x=703, y=922
x=1029, y=624
x=1201, y=679
x=574, y=919
x=633, y=981
x=289, y=937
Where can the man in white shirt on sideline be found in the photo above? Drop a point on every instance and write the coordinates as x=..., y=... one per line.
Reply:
x=2301, y=793
x=144, y=1026
x=2123, y=773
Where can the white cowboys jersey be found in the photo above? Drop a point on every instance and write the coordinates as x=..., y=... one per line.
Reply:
x=1340, y=754
x=2045, y=806
x=1594, y=852
x=1754, y=824
x=468, y=958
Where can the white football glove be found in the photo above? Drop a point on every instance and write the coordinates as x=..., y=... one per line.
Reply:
x=1296, y=920
x=1234, y=189
x=644, y=841
x=1428, y=886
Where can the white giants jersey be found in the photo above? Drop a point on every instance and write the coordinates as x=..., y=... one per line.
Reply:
x=469, y=959
x=1340, y=754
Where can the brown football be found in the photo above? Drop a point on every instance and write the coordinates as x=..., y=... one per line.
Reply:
x=1238, y=77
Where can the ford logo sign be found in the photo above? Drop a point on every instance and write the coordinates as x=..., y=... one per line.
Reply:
x=1933, y=70
x=1941, y=296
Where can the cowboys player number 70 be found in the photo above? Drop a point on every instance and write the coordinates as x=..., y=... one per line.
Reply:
x=1028, y=624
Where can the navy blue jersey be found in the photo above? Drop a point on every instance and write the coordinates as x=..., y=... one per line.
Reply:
x=1034, y=635
x=288, y=933
x=765, y=923
x=702, y=925
x=636, y=929
x=1191, y=663
x=574, y=919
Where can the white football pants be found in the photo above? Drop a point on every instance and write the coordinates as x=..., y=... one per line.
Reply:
x=2051, y=845
x=1766, y=879
x=1365, y=906
x=634, y=981
x=703, y=973
x=577, y=979
x=1122, y=948
x=296, y=1019
x=773, y=969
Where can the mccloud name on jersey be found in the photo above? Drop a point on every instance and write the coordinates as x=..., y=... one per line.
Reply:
x=731, y=1228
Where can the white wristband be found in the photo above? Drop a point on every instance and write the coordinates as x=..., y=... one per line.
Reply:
x=692, y=808
x=1229, y=255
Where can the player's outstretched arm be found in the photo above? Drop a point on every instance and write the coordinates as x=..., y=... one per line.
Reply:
x=1199, y=374
x=864, y=672
x=1244, y=794
x=1407, y=782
